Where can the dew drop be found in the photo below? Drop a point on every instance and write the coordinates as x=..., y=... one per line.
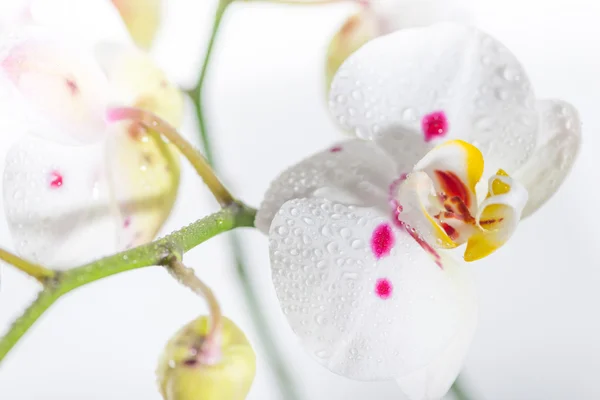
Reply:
x=357, y=95
x=345, y=233
x=357, y=244
x=282, y=230
x=333, y=248
x=501, y=93
x=409, y=114
x=510, y=74
x=323, y=354
x=308, y=221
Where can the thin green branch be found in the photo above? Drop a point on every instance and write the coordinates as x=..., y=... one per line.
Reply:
x=42, y=274
x=285, y=382
x=196, y=92
x=278, y=364
x=200, y=164
x=188, y=278
x=235, y=216
x=459, y=391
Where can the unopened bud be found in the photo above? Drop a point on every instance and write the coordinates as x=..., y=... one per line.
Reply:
x=193, y=369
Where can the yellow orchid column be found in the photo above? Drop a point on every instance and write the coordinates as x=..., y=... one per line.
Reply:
x=142, y=18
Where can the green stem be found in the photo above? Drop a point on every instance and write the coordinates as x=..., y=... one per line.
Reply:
x=42, y=274
x=277, y=362
x=196, y=92
x=235, y=216
x=459, y=391
x=285, y=382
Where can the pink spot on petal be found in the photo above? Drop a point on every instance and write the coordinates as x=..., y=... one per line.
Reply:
x=382, y=241
x=384, y=288
x=434, y=125
x=72, y=86
x=127, y=222
x=335, y=149
x=56, y=180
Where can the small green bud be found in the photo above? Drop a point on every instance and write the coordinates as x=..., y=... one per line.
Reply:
x=193, y=369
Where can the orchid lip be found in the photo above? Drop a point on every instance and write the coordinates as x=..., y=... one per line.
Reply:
x=438, y=201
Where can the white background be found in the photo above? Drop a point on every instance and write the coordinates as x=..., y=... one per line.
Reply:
x=539, y=330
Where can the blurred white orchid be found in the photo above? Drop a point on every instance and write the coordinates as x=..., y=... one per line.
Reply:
x=71, y=179
x=380, y=17
x=142, y=18
x=359, y=232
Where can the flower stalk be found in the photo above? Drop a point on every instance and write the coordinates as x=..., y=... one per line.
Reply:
x=200, y=164
x=210, y=350
x=284, y=378
x=155, y=253
x=41, y=274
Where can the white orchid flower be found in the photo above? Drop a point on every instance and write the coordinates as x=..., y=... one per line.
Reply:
x=142, y=18
x=453, y=149
x=380, y=17
x=72, y=180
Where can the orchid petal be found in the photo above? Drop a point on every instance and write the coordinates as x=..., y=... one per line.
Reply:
x=57, y=202
x=144, y=173
x=142, y=18
x=354, y=171
x=85, y=22
x=498, y=217
x=14, y=13
x=135, y=80
x=433, y=381
x=445, y=81
x=401, y=14
x=58, y=88
x=559, y=142
x=356, y=31
x=365, y=299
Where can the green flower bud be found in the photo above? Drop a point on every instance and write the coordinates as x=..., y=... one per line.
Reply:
x=193, y=369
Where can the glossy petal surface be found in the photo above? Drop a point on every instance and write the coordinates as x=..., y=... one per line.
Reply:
x=59, y=91
x=404, y=78
x=560, y=139
x=144, y=173
x=361, y=313
x=355, y=172
x=57, y=203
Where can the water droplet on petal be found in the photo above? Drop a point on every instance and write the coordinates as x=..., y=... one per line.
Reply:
x=409, y=114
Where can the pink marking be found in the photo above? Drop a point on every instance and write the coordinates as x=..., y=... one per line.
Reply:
x=127, y=222
x=425, y=246
x=56, y=180
x=384, y=288
x=396, y=211
x=382, y=240
x=335, y=149
x=396, y=206
x=434, y=125
x=117, y=114
x=72, y=86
